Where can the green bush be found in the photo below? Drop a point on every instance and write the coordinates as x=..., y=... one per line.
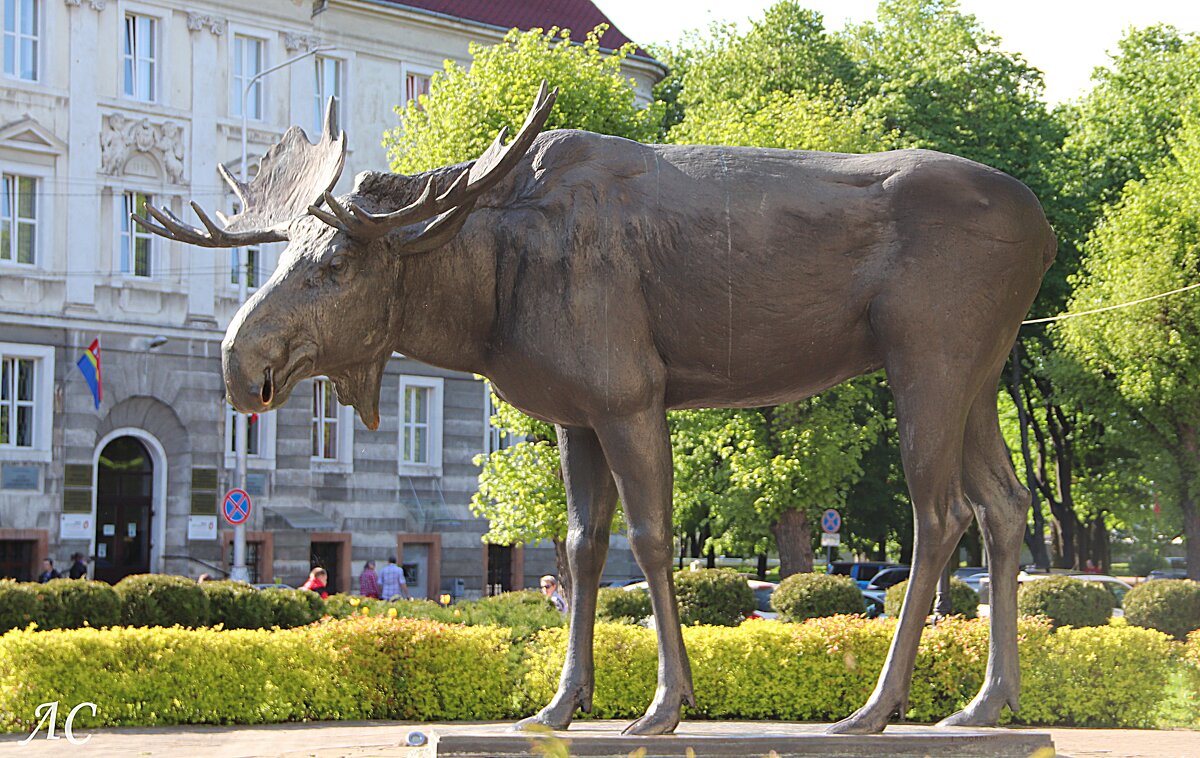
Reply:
x=1144, y=560
x=622, y=606
x=75, y=603
x=19, y=605
x=236, y=605
x=525, y=612
x=1066, y=601
x=964, y=601
x=292, y=608
x=1170, y=606
x=716, y=597
x=807, y=596
x=360, y=668
x=161, y=600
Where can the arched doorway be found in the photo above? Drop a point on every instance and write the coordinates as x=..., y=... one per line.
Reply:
x=124, y=496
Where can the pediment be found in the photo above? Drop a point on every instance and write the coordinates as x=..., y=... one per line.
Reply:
x=28, y=134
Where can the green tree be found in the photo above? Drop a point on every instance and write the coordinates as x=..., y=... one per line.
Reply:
x=466, y=107
x=1148, y=243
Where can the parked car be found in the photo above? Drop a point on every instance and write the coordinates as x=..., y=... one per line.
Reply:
x=1168, y=573
x=889, y=577
x=272, y=586
x=1115, y=587
x=860, y=572
x=762, y=597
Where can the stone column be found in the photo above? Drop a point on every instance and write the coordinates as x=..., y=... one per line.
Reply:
x=208, y=100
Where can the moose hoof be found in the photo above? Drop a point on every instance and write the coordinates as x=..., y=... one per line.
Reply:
x=658, y=720
x=870, y=719
x=984, y=710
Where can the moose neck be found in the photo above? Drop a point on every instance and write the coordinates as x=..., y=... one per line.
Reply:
x=444, y=304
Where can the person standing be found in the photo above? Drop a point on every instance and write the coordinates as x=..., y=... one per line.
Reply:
x=316, y=582
x=368, y=582
x=550, y=590
x=391, y=580
x=78, y=568
x=48, y=571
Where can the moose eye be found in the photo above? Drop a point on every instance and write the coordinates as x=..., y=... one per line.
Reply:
x=338, y=264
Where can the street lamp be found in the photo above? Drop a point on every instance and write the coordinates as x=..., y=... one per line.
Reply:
x=239, y=573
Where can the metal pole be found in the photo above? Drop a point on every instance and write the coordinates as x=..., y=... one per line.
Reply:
x=239, y=572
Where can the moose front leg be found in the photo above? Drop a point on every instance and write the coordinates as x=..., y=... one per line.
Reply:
x=639, y=453
x=591, y=497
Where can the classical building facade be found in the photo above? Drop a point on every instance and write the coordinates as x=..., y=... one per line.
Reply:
x=106, y=105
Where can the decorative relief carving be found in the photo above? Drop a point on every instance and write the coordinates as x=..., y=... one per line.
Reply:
x=297, y=42
x=198, y=21
x=122, y=139
x=96, y=5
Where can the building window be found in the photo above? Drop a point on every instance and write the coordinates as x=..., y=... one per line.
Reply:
x=329, y=85
x=253, y=256
x=18, y=219
x=254, y=433
x=141, y=57
x=21, y=20
x=420, y=425
x=17, y=403
x=137, y=246
x=26, y=392
x=496, y=438
x=249, y=57
x=414, y=86
x=325, y=421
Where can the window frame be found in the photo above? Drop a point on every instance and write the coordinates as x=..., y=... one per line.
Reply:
x=135, y=232
x=435, y=425
x=343, y=462
x=235, y=89
x=265, y=457
x=138, y=11
x=37, y=37
x=320, y=97
x=43, y=401
x=40, y=222
x=412, y=69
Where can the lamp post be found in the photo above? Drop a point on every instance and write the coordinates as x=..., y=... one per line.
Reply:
x=239, y=573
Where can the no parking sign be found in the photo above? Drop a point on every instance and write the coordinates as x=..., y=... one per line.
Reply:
x=236, y=507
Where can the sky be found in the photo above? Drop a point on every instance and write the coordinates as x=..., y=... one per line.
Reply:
x=1066, y=39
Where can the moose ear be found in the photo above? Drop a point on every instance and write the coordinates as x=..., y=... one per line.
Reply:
x=359, y=387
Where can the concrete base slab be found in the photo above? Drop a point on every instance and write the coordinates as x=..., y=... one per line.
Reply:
x=600, y=739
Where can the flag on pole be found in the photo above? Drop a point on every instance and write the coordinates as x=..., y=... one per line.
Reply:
x=89, y=365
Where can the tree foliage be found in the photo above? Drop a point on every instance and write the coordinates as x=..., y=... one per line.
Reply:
x=467, y=107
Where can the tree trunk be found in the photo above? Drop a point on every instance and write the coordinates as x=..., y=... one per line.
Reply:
x=563, y=567
x=793, y=537
x=1035, y=535
x=762, y=567
x=1187, y=502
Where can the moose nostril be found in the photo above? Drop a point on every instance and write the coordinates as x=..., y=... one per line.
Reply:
x=268, y=390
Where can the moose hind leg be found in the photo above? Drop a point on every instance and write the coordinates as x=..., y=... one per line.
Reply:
x=932, y=414
x=591, y=498
x=639, y=451
x=1001, y=506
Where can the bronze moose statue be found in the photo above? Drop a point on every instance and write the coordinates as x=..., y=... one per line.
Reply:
x=599, y=282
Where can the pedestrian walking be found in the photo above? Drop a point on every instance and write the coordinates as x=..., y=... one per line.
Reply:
x=78, y=568
x=48, y=571
x=368, y=581
x=391, y=581
x=317, y=579
x=550, y=590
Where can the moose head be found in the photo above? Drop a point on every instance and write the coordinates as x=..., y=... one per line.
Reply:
x=328, y=309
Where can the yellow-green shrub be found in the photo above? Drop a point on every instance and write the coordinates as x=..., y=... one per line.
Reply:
x=73, y=603
x=19, y=605
x=823, y=669
x=353, y=669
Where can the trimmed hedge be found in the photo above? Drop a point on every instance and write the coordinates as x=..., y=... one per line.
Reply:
x=716, y=597
x=19, y=605
x=292, y=608
x=825, y=668
x=806, y=596
x=161, y=600
x=75, y=603
x=236, y=605
x=622, y=606
x=1066, y=601
x=964, y=601
x=522, y=614
x=360, y=668
x=1170, y=606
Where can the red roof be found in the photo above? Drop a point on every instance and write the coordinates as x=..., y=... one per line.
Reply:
x=580, y=16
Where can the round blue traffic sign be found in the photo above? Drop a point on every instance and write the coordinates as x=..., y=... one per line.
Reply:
x=236, y=507
x=831, y=521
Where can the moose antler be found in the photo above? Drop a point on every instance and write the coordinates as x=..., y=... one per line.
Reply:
x=291, y=175
x=452, y=206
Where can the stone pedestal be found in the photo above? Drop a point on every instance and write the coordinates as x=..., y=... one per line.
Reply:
x=723, y=738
